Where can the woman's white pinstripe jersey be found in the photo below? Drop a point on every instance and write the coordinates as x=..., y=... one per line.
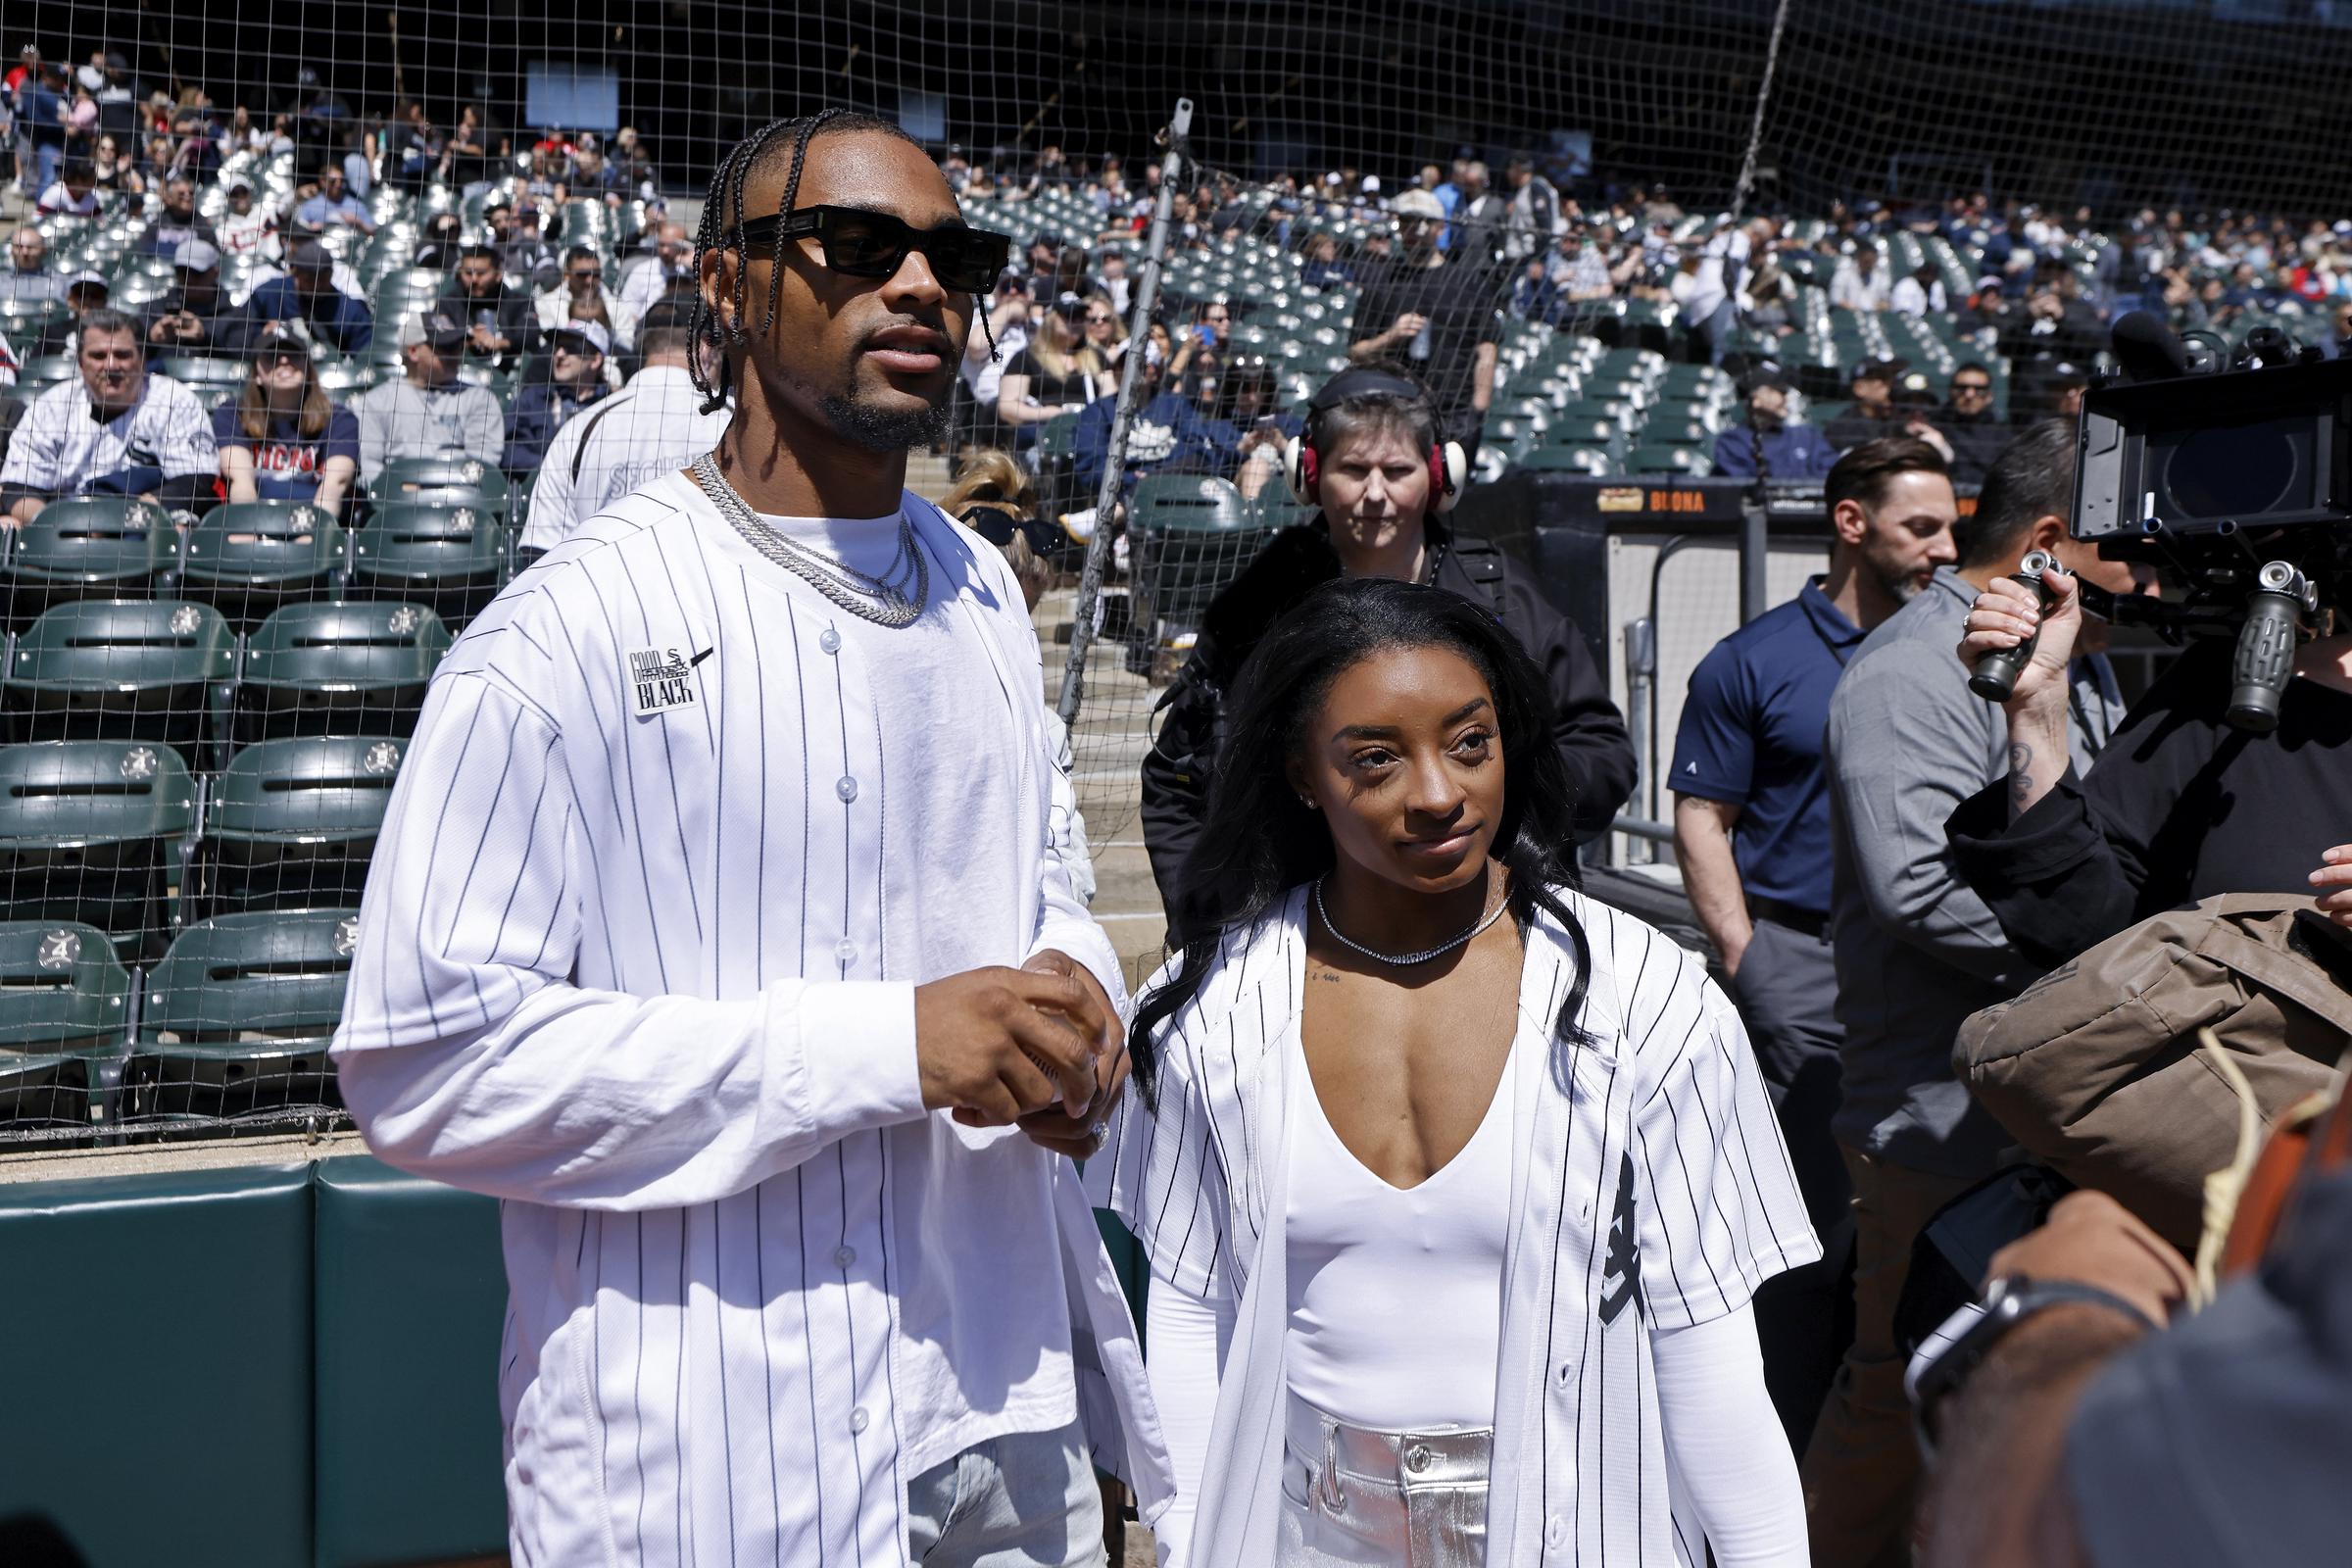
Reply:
x=634, y=959
x=1651, y=1192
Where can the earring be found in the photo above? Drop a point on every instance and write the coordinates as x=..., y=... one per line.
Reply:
x=1307, y=800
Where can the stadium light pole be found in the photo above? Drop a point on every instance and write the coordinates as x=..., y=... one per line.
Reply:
x=1114, y=461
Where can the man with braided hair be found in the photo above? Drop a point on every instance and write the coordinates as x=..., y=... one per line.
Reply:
x=766, y=1008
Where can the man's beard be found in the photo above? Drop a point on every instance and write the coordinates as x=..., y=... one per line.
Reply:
x=886, y=430
x=1901, y=587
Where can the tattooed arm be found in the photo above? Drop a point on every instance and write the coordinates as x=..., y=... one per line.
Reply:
x=2037, y=750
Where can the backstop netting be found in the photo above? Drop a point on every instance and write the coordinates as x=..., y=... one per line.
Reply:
x=407, y=287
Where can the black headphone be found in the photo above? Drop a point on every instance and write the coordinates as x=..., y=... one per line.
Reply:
x=1447, y=467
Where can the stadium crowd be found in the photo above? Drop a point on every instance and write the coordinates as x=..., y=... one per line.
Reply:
x=376, y=318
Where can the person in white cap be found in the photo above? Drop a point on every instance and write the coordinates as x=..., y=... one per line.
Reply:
x=578, y=352
x=246, y=228
x=1436, y=316
x=191, y=317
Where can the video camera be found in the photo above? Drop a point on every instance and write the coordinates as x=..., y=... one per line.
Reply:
x=2232, y=473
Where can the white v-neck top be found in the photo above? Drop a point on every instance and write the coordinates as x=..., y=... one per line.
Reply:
x=1396, y=1294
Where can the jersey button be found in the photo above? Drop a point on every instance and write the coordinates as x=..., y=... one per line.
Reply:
x=846, y=950
x=844, y=1257
x=858, y=1419
x=847, y=788
x=1555, y=1530
x=829, y=640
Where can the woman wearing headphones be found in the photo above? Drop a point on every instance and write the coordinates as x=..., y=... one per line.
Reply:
x=1370, y=462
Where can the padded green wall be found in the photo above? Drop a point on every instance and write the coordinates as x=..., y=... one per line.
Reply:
x=269, y=1367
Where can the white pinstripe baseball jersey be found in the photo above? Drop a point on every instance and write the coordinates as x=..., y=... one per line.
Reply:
x=633, y=957
x=652, y=426
x=1650, y=1191
x=59, y=448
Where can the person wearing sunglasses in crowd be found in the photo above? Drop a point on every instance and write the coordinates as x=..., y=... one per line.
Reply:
x=1059, y=370
x=582, y=297
x=1455, y=1186
x=577, y=353
x=283, y=439
x=1971, y=425
x=776, y=1049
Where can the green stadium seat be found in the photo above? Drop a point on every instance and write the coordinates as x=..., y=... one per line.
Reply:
x=193, y=371
x=290, y=823
x=1677, y=431
x=64, y=1005
x=337, y=667
x=62, y=989
x=449, y=559
x=151, y=669
x=250, y=558
x=21, y=321
x=88, y=547
x=1579, y=431
x=1683, y=459
x=94, y=831
x=441, y=482
x=237, y=1015
x=1589, y=410
x=1570, y=460
x=1192, y=535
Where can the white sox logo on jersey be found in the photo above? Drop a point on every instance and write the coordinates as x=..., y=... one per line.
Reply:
x=1623, y=1265
x=662, y=678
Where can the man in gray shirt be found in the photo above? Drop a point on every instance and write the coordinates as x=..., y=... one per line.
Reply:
x=1917, y=952
x=29, y=278
x=429, y=413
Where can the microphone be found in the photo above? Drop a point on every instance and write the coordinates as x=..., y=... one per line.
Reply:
x=2147, y=349
x=1996, y=672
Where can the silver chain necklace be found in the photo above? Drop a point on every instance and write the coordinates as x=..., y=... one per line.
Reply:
x=879, y=599
x=1406, y=960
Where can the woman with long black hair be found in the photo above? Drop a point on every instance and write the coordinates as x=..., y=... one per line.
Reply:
x=1455, y=1185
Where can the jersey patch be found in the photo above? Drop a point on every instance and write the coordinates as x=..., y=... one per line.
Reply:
x=661, y=679
x=1623, y=1263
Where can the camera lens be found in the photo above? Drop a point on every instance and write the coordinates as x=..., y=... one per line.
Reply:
x=2234, y=471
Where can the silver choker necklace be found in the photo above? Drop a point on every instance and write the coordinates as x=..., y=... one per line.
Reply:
x=1406, y=960
x=880, y=600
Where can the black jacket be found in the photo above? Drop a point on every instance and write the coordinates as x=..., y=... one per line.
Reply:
x=2178, y=808
x=1586, y=727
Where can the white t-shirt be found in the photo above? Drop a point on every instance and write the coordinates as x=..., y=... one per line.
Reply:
x=1722, y=267
x=253, y=232
x=1374, y=1266
x=58, y=199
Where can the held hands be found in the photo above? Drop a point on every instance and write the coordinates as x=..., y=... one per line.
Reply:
x=1039, y=1047
x=2006, y=614
x=2333, y=882
x=1053, y=1128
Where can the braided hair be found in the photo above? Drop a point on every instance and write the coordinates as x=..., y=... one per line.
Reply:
x=722, y=229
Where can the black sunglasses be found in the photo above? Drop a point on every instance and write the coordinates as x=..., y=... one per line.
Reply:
x=997, y=523
x=868, y=244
